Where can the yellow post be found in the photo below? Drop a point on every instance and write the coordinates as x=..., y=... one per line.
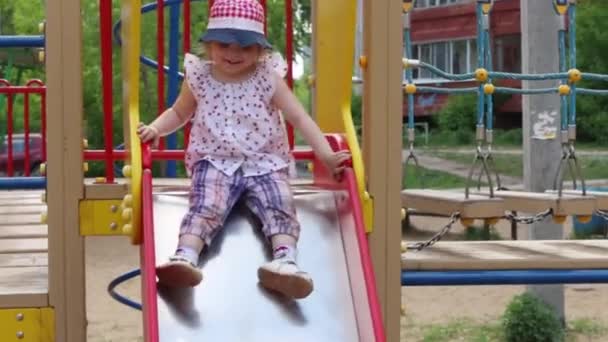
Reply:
x=131, y=20
x=334, y=46
x=334, y=43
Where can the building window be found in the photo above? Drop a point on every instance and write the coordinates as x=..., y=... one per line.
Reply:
x=434, y=3
x=457, y=57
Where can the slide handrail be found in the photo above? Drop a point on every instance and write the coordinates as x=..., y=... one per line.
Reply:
x=358, y=166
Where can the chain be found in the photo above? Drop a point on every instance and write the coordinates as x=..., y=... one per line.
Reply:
x=529, y=219
x=418, y=246
x=602, y=214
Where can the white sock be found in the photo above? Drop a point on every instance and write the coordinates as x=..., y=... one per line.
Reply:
x=285, y=251
x=189, y=253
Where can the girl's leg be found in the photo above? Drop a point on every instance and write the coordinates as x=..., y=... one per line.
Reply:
x=212, y=196
x=271, y=200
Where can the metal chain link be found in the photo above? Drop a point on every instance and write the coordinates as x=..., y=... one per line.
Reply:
x=418, y=246
x=529, y=219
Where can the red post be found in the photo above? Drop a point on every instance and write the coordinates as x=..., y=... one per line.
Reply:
x=26, y=130
x=43, y=119
x=289, y=57
x=187, y=37
x=160, y=59
x=9, y=130
x=105, y=20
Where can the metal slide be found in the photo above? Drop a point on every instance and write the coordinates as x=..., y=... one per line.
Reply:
x=230, y=305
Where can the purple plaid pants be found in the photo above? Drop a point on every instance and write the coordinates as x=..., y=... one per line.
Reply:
x=213, y=194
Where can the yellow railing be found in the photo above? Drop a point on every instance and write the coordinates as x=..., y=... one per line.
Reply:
x=130, y=31
x=358, y=166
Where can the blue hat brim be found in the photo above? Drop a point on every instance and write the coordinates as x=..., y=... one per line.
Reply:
x=243, y=38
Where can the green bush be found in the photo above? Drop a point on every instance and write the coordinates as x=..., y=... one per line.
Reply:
x=529, y=319
x=459, y=114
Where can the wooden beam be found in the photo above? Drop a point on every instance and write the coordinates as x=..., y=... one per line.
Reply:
x=447, y=203
x=505, y=255
x=535, y=202
x=382, y=124
x=64, y=174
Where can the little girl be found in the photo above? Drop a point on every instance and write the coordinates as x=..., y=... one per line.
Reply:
x=238, y=146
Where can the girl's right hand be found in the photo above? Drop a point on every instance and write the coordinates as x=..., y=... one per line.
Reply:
x=148, y=133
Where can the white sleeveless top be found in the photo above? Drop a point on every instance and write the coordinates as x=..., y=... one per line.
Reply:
x=235, y=125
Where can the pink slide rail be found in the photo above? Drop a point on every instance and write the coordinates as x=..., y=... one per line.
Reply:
x=147, y=252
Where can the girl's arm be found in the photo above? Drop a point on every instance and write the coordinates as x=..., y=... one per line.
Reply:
x=171, y=119
x=296, y=115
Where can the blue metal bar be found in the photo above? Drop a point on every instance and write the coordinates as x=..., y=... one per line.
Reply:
x=173, y=79
x=572, y=28
x=22, y=183
x=489, y=97
x=21, y=41
x=480, y=62
x=562, y=68
x=504, y=277
x=408, y=75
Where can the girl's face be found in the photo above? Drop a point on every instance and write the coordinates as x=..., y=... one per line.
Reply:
x=232, y=60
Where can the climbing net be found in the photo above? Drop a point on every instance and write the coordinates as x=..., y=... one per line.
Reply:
x=484, y=75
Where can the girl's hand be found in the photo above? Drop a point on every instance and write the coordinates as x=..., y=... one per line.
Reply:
x=148, y=133
x=334, y=161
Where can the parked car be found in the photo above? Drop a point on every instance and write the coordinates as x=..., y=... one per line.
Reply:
x=18, y=142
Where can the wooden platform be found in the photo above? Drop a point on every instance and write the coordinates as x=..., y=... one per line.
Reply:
x=509, y=255
x=446, y=203
x=535, y=202
x=23, y=250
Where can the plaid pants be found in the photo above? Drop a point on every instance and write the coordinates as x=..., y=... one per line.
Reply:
x=213, y=195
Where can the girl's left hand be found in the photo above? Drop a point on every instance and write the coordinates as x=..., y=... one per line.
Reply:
x=334, y=162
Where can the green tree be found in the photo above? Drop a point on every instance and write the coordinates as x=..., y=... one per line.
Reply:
x=592, y=48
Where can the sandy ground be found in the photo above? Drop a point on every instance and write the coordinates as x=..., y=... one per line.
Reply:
x=110, y=321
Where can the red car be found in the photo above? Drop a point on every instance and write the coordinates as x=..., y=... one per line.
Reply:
x=35, y=155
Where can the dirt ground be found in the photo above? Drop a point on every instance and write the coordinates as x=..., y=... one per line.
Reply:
x=110, y=321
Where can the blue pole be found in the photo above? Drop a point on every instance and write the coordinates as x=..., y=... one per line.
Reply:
x=408, y=75
x=572, y=28
x=21, y=41
x=480, y=62
x=489, y=97
x=22, y=183
x=562, y=68
x=503, y=277
x=173, y=78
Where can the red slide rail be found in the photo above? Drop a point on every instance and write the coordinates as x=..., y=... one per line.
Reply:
x=16, y=161
x=147, y=252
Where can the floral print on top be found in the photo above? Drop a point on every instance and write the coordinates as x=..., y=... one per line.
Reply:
x=235, y=125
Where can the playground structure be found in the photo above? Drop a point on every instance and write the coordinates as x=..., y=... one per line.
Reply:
x=42, y=283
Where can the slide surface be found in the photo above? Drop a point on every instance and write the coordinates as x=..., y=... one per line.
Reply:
x=230, y=305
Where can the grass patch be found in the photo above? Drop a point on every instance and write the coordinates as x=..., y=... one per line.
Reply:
x=421, y=178
x=512, y=165
x=468, y=330
x=586, y=327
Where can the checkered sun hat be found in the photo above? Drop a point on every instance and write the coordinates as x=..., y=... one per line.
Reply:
x=236, y=21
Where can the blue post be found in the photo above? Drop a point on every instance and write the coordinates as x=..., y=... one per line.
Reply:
x=481, y=62
x=503, y=277
x=173, y=77
x=572, y=28
x=21, y=41
x=22, y=183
